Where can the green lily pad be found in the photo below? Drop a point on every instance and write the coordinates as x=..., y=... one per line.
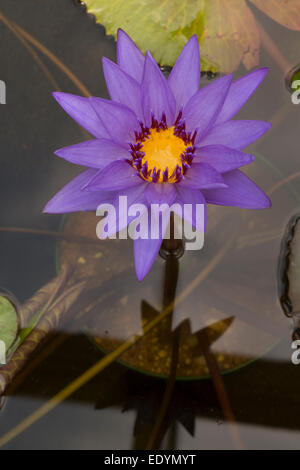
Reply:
x=163, y=27
x=295, y=81
x=24, y=332
x=8, y=322
x=227, y=31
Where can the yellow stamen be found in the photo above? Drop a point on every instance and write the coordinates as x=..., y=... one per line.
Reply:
x=163, y=150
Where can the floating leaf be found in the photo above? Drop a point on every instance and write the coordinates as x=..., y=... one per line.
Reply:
x=295, y=81
x=227, y=30
x=8, y=322
x=161, y=26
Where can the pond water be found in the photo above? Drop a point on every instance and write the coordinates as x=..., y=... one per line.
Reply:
x=230, y=290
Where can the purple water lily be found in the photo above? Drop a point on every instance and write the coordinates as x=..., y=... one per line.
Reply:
x=161, y=140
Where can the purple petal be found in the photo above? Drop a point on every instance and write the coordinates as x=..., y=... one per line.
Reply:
x=202, y=175
x=193, y=197
x=96, y=153
x=160, y=193
x=119, y=120
x=236, y=134
x=203, y=108
x=146, y=250
x=81, y=111
x=241, y=192
x=134, y=195
x=122, y=87
x=115, y=176
x=184, y=80
x=157, y=97
x=239, y=93
x=130, y=58
x=71, y=198
x=222, y=158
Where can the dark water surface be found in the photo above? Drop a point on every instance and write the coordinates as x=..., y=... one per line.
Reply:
x=118, y=408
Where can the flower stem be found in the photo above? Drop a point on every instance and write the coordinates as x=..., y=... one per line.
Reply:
x=172, y=246
x=172, y=249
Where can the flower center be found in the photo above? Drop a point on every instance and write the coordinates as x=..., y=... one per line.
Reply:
x=162, y=154
x=163, y=151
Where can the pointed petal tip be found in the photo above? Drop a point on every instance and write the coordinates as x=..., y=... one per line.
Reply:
x=123, y=36
x=61, y=96
x=141, y=276
x=256, y=77
x=194, y=38
x=59, y=152
x=264, y=204
x=121, y=33
x=239, y=93
x=150, y=56
x=242, y=192
x=106, y=60
x=50, y=208
x=193, y=41
x=268, y=202
x=264, y=70
x=129, y=57
x=58, y=96
x=261, y=71
x=141, y=271
x=227, y=83
x=157, y=96
x=184, y=78
x=266, y=126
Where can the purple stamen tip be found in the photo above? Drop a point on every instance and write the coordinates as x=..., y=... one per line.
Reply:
x=165, y=175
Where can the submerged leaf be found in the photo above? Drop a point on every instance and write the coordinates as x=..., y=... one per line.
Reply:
x=32, y=306
x=285, y=12
x=8, y=322
x=231, y=35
